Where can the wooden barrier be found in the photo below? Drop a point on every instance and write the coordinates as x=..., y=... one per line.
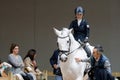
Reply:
x=116, y=74
x=45, y=75
x=50, y=73
x=4, y=78
x=9, y=77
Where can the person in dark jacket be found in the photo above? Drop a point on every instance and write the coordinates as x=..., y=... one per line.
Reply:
x=100, y=65
x=81, y=28
x=54, y=61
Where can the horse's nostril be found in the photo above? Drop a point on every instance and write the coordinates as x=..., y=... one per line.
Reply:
x=66, y=58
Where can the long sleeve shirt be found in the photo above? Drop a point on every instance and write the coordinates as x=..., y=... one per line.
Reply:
x=17, y=63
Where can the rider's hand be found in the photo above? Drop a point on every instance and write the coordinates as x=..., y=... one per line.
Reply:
x=78, y=59
x=86, y=40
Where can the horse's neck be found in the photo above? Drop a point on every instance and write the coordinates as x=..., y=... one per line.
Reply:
x=74, y=43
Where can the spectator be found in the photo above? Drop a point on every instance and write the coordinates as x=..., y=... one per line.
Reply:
x=54, y=61
x=16, y=61
x=30, y=63
x=4, y=68
x=100, y=65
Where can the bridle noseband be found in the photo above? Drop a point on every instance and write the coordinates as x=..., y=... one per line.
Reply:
x=69, y=44
x=67, y=52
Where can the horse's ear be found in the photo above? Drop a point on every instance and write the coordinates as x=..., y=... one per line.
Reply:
x=71, y=29
x=57, y=32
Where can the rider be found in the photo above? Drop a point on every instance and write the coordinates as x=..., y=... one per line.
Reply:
x=81, y=28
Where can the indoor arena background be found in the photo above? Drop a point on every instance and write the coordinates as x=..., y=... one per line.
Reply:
x=30, y=24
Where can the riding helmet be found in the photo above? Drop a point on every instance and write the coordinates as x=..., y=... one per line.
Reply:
x=79, y=10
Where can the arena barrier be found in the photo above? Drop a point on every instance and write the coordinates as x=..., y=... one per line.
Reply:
x=116, y=74
x=9, y=77
x=43, y=76
x=50, y=74
x=47, y=74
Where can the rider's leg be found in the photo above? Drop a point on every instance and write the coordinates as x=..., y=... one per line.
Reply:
x=87, y=49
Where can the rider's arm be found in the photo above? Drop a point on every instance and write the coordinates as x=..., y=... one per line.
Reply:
x=107, y=65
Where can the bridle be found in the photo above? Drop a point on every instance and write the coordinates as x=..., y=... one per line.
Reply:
x=69, y=44
x=67, y=52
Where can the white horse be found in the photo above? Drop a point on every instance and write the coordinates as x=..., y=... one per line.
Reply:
x=70, y=49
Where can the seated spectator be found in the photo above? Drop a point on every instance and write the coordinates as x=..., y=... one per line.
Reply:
x=4, y=68
x=16, y=61
x=30, y=63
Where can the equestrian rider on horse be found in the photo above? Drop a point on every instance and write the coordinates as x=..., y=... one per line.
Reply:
x=81, y=29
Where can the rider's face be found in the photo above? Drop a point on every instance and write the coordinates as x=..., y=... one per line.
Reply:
x=79, y=16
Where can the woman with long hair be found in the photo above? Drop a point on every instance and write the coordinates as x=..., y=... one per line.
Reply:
x=30, y=62
x=17, y=63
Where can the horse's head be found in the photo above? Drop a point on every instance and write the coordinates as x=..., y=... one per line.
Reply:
x=63, y=39
x=63, y=42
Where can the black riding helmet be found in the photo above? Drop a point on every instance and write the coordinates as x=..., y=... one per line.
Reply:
x=79, y=10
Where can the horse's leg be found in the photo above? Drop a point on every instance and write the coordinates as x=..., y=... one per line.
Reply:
x=65, y=78
x=79, y=78
x=86, y=77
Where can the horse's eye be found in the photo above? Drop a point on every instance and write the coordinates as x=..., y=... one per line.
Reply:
x=67, y=41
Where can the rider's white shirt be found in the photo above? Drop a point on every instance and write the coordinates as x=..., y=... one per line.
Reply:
x=79, y=21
